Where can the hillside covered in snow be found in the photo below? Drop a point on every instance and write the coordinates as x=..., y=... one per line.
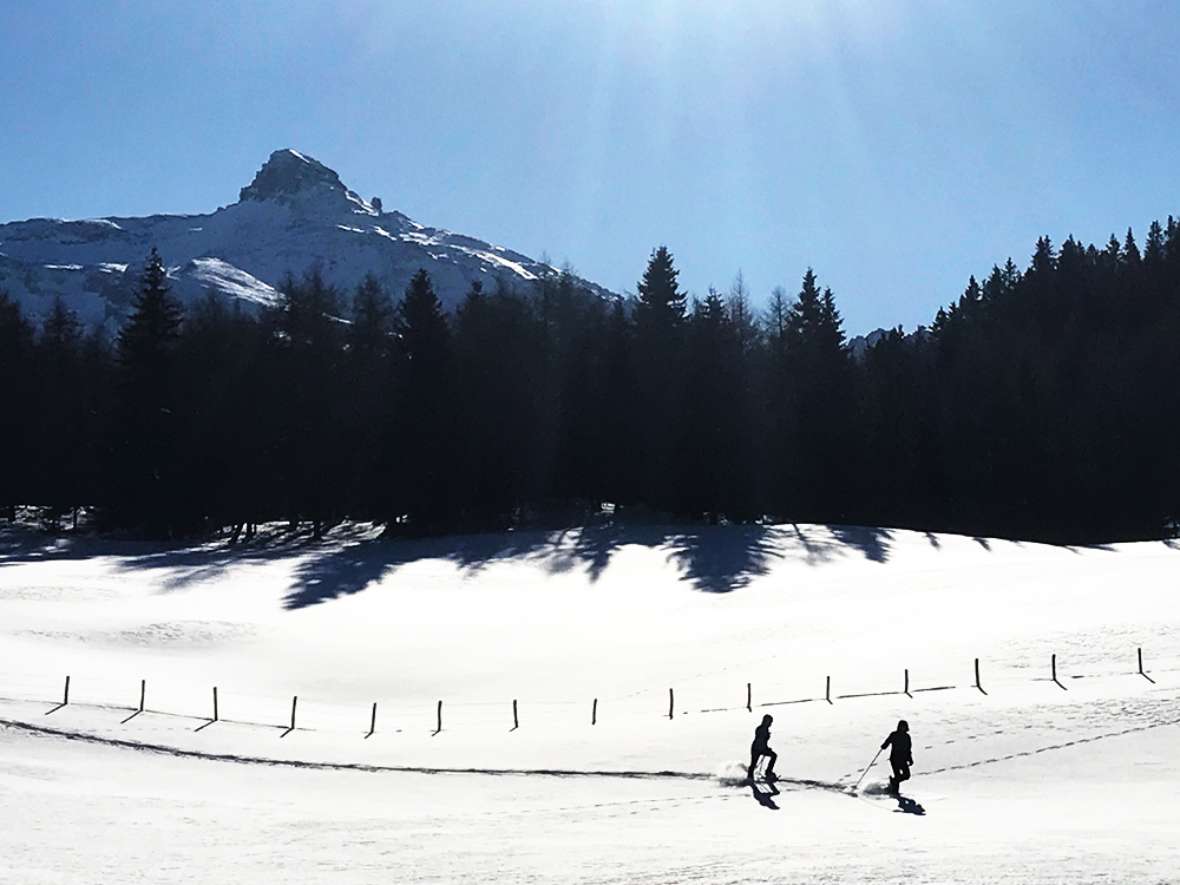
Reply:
x=295, y=215
x=576, y=707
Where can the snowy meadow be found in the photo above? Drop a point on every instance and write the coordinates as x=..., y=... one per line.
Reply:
x=577, y=707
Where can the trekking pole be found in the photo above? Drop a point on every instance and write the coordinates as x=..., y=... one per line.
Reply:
x=856, y=786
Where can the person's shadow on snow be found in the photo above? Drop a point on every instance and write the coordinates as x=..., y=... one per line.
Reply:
x=906, y=805
x=765, y=798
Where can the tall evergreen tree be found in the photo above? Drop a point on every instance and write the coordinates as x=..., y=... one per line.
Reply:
x=659, y=361
x=146, y=470
x=711, y=451
x=369, y=416
x=61, y=415
x=818, y=453
x=425, y=437
x=16, y=408
x=661, y=304
x=620, y=484
x=308, y=345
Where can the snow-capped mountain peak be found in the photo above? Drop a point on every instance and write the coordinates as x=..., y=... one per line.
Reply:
x=297, y=179
x=295, y=214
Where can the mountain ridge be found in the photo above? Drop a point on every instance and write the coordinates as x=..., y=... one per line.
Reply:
x=296, y=214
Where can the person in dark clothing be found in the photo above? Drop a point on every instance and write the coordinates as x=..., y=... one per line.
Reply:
x=761, y=747
x=901, y=755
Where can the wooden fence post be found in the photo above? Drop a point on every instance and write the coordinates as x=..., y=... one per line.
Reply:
x=671, y=703
x=1143, y=672
x=1053, y=670
x=215, y=716
x=978, y=684
x=291, y=728
x=439, y=726
x=828, y=690
x=65, y=698
x=515, y=718
x=907, y=683
x=594, y=712
x=749, y=698
x=372, y=722
x=142, y=693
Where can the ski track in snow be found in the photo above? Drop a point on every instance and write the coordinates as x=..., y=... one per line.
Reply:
x=354, y=766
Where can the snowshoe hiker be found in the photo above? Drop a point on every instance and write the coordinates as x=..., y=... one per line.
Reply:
x=901, y=755
x=761, y=747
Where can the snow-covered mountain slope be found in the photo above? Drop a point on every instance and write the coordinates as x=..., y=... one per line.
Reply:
x=1033, y=781
x=296, y=214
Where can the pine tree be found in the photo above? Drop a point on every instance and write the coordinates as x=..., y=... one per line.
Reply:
x=370, y=337
x=620, y=483
x=661, y=303
x=368, y=413
x=309, y=347
x=147, y=341
x=146, y=469
x=60, y=418
x=17, y=401
x=712, y=455
x=659, y=351
x=1153, y=252
x=501, y=463
x=425, y=432
x=1131, y=256
x=818, y=453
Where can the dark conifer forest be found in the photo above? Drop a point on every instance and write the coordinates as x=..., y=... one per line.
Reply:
x=1043, y=403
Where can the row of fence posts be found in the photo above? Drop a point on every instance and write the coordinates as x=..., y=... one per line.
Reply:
x=593, y=707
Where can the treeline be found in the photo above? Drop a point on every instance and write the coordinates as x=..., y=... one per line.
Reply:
x=1043, y=403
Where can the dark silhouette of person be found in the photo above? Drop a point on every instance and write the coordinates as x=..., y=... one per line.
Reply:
x=761, y=747
x=901, y=755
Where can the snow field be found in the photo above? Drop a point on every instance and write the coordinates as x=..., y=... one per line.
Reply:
x=1030, y=782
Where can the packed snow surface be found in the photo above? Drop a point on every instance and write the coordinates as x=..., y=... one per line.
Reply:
x=1022, y=779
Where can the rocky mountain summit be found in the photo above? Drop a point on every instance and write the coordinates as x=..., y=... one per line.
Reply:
x=295, y=215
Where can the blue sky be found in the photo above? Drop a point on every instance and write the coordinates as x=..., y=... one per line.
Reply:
x=897, y=147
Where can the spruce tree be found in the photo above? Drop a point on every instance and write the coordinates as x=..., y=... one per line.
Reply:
x=818, y=453
x=659, y=351
x=61, y=417
x=309, y=352
x=145, y=490
x=425, y=434
x=620, y=406
x=710, y=456
x=661, y=303
x=17, y=400
x=368, y=412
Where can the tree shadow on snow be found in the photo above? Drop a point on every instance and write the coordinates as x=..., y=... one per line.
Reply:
x=350, y=559
x=20, y=545
x=190, y=561
x=185, y=566
x=711, y=559
x=873, y=543
x=355, y=566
